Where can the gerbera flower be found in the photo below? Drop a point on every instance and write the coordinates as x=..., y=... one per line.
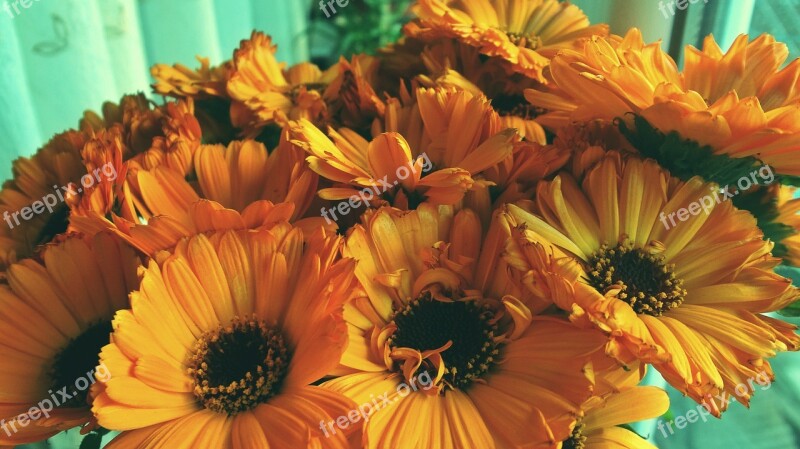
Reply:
x=54, y=166
x=452, y=64
x=265, y=93
x=468, y=140
x=750, y=114
x=56, y=315
x=151, y=135
x=686, y=295
x=524, y=34
x=449, y=345
x=605, y=414
x=352, y=101
x=240, y=186
x=223, y=340
x=180, y=81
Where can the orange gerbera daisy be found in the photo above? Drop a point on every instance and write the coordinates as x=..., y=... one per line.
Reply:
x=264, y=93
x=151, y=135
x=55, y=316
x=180, y=81
x=452, y=64
x=524, y=34
x=686, y=294
x=238, y=187
x=392, y=166
x=223, y=341
x=40, y=179
x=751, y=113
x=451, y=346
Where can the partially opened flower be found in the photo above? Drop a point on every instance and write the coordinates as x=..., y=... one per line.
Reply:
x=432, y=151
x=439, y=313
x=524, y=34
x=224, y=340
x=55, y=315
x=266, y=93
x=687, y=295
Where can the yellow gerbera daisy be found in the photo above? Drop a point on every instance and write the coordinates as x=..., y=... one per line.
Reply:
x=53, y=167
x=55, y=315
x=223, y=340
x=524, y=34
x=449, y=346
x=673, y=276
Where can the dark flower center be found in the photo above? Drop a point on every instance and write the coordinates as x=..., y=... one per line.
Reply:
x=237, y=367
x=514, y=105
x=647, y=283
x=427, y=324
x=54, y=225
x=577, y=440
x=74, y=366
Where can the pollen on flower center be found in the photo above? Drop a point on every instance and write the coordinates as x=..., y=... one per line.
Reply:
x=530, y=42
x=427, y=324
x=577, y=440
x=79, y=357
x=648, y=284
x=238, y=366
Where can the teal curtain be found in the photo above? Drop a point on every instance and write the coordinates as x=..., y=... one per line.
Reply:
x=59, y=58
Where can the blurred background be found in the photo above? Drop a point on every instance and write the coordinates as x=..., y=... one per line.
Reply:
x=59, y=58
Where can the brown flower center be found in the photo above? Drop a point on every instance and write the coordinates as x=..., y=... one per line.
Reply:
x=647, y=283
x=514, y=105
x=73, y=365
x=237, y=367
x=577, y=440
x=427, y=324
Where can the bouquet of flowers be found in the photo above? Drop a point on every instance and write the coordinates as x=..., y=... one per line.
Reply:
x=479, y=237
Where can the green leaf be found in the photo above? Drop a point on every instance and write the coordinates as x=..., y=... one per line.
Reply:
x=791, y=311
x=92, y=441
x=685, y=158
